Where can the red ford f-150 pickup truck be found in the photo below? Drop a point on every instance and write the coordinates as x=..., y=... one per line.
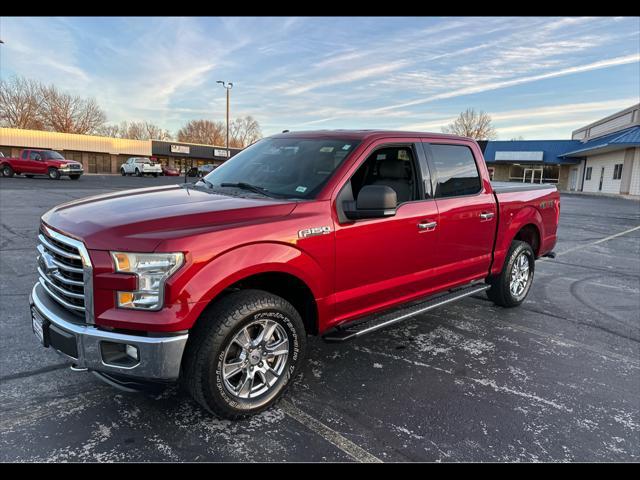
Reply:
x=217, y=283
x=40, y=162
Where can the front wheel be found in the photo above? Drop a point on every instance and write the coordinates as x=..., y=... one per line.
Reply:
x=122, y=172
x=512, y=285
x=243, y=353
x=54, y=174
x=138, y=173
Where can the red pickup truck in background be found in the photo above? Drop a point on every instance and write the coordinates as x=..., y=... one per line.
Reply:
x=341, y=233
x=40, y=162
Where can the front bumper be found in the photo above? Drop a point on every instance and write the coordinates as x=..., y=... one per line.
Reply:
x=86, y=346
x=71, y=171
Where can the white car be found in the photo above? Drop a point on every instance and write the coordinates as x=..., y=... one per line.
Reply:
x=139, y=166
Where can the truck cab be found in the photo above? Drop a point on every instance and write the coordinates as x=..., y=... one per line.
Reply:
x=341, y=233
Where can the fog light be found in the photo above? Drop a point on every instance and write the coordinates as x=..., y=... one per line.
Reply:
x=119, y=354
x=132, y=351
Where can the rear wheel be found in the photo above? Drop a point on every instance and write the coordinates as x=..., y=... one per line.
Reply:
x=7, y=171
x=512, y=285
x=54, y=174
x=243, y=353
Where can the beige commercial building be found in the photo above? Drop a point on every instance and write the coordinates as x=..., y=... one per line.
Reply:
x=105, y=154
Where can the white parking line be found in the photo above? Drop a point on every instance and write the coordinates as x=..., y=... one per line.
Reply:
x=605, y=239
x=331, y=436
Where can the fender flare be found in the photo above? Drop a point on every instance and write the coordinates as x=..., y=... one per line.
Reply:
x=245, y=261
x=526, y=216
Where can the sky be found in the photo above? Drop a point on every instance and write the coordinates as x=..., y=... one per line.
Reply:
x=539, y=78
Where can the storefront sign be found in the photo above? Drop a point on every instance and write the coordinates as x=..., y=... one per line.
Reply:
x=180, y=149
x=520, y=156
x=220, y=153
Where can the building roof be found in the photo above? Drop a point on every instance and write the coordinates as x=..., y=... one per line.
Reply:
x=362, y=134
x=534, y=151
x=629, y=137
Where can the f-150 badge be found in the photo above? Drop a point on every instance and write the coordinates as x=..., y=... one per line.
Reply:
x=312, y=232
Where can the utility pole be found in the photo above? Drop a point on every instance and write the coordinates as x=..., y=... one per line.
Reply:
x=227, y=87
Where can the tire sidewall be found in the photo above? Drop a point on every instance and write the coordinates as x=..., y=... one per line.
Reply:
x=214, y=383
x=54, y=174
x=522, y=248
x=7, y=171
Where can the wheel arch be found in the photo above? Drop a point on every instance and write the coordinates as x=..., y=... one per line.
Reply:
x=276, y=268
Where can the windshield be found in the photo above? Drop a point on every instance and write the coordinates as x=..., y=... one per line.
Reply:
x=288, y=167
x=52, y=156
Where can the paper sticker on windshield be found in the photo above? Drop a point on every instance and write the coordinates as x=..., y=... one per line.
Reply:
x=326, y=149
x=301, y=189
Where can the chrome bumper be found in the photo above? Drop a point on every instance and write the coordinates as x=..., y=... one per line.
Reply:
x=159, y=358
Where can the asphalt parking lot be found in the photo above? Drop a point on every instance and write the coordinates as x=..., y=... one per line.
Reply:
x=557, y=379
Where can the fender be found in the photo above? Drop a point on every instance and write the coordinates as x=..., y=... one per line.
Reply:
x=510, y=225
x=247, y=260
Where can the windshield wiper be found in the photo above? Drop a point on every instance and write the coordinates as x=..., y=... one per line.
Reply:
x=248, y=186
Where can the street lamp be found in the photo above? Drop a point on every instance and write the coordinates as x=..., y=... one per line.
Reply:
x=228, y=87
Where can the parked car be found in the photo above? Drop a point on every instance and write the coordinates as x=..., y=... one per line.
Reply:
x=33, y=162
x=206, y=169
x=140, y=166
x=170, y=171
x=217, y=283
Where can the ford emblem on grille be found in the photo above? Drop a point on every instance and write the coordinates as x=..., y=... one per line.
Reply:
x=46, y=263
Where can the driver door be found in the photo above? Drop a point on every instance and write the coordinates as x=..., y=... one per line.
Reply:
x=384, y=261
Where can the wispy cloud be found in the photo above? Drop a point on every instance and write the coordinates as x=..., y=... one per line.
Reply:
x=337, y=72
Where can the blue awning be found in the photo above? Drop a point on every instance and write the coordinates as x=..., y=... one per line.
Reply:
x=629, y=137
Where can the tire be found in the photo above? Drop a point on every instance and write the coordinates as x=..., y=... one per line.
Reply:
x=212, y=343
x=155, y=174
x=520, y=255
x=54, y=174
x=122, y=172
x=74, y=177
x=138, y=173
x=29, y=176
x=7, y=171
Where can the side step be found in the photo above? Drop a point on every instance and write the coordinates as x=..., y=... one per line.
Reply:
x=376, y=322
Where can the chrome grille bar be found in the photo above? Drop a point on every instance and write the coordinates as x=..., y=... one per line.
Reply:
x=65, y=271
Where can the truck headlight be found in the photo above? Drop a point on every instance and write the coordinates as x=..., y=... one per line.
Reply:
x=152, y=270
x=64, y=165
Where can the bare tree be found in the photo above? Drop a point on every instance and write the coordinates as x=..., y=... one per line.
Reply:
x=244, y=131
x=476, y=125
x=67, y=113
x=20, y=104
x=135, y=130
x=203, y=131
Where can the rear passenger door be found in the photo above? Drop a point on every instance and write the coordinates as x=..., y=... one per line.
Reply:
x=467, y=209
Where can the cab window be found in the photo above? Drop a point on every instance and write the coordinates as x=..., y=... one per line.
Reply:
x=393, y=166
x=456, y=170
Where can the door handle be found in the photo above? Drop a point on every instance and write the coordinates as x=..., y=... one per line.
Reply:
x=427, y=225
x=487, y=215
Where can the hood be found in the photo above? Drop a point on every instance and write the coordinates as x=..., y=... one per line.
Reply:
x=138, y=220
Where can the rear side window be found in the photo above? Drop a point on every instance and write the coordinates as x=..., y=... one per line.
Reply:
x=456, y=170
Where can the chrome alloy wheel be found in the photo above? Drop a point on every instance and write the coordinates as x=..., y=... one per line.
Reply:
x=519, y=275
x=255, y=359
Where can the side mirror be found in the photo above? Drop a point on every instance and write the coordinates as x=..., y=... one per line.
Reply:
x=374, y=201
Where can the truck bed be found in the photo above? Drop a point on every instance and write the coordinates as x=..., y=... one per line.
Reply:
x=511, y=187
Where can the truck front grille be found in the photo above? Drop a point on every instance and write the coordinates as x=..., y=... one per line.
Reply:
x=64, y=270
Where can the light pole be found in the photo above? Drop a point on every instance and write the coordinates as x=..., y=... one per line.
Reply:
x=227, y=87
